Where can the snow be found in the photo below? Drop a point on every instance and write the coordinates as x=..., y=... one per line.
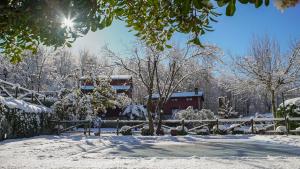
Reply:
x=86, y=87
x=13, y=103
x=281, y=129
x=114, y=87
x=120, y=77
x=120, y=87
x=78, y=151
x=294, y=101
x=181, y=94
x=134, y=111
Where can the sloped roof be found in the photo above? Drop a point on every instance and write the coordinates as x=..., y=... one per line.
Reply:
x=120, y=77
x=181, y=94
x=120, y=87
x=27, y=107
x=114, y=87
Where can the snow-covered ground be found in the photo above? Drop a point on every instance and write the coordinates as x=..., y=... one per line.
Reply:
x=167, y=152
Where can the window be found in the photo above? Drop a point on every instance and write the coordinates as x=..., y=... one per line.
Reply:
x=174, y=99
x=189, y=99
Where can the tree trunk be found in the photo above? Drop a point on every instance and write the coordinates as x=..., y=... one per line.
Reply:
x=273, y=103
x=159, y=119
x=149, y=104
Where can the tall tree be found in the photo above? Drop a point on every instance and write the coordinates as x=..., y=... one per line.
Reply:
x=266, y=68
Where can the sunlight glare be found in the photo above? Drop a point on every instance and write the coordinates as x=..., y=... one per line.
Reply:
x=68, y=22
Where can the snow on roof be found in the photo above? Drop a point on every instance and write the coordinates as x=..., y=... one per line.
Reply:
x=87, y=87
x=22, y=105
x=121, y=77
x=114, y=77
x=114, y=87
x=120, y=87
x=294, y=101
x=181, y=94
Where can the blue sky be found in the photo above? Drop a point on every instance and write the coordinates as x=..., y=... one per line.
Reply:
x=232, y=34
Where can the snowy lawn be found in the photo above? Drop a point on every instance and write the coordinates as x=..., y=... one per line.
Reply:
x=167, y=152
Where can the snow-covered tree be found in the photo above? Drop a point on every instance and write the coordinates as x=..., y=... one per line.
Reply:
x=73, y=104
x=265, y=69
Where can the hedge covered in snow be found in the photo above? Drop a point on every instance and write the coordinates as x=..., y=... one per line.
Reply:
x=193, y=114
x=17, y=123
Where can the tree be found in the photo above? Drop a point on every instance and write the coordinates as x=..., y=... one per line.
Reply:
x=266, y=68
x=142, y=63
x=173, y=70
x=56, y=23
x=163, y=71
x=73, y=104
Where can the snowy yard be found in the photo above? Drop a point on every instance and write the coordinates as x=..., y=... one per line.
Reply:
x=78, y=151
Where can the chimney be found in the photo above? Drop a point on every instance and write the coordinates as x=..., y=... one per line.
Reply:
x=196, y=91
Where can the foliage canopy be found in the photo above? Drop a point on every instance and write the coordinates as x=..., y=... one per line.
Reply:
x=24, y=24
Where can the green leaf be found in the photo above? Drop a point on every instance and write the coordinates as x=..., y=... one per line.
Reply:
x=221, y=3
x=244, y=1
x=267, y=2
x=168, y=46
x=230, y=9
x=258, y=3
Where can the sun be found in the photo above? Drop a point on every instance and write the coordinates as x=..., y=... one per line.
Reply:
x=68, y=22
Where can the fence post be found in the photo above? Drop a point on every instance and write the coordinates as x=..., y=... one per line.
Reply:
x=99, y=128
x=117, y=127
x=287, y=125
x=17, y=89
x=252, y=126
x=58, y=127
x=89, y=127
x=217, y=124
x=182, y=123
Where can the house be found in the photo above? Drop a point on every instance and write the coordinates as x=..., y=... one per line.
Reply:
x=180, y=101
x=120, y=83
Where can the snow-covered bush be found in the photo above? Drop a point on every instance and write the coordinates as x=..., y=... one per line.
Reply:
x=66, y=106
x=291, y=108
x=123, y=101
x=15, y=123
x=145, y=131
x=227, y=111
x=220, y=129
x=135, y=112
x=236, y=129
x=281, y=129
x=203, y=131
x=179, y=131
x=126, y=130
x=191, y=114
x=258, y=128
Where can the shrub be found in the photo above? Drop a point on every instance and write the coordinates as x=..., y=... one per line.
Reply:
x=292, y=109
x=203, y=131
x=220, y=130
x=237, y=132
x=178, y=131
x=191, y=114
x=161, y=132
x=145, y=131
x=126, y=130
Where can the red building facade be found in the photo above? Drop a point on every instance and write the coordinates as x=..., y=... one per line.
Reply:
x=180, y=101
x=120, y=83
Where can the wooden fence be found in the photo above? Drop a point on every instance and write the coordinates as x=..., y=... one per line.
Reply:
x=169, y=124
x=198, y=124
